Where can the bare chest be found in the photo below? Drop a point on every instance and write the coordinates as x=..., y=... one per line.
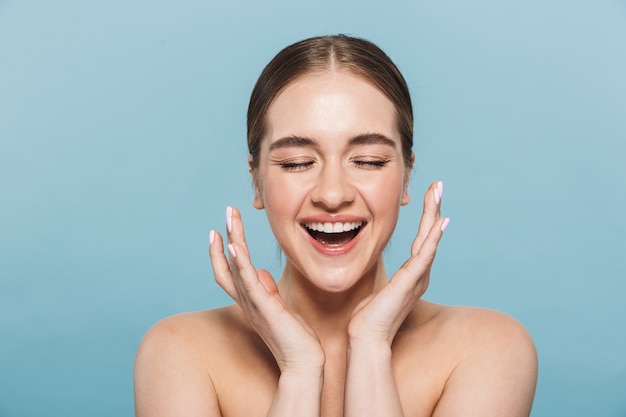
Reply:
x=248, y=387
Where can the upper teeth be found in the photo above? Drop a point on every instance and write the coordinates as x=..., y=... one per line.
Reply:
x=329, y=227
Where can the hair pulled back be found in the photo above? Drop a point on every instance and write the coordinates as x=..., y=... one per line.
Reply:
x=327, y=53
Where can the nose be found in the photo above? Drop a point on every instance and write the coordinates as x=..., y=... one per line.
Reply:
x=333, y=189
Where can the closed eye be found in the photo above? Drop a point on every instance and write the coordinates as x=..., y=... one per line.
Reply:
x=373, y=164
x=296, y=166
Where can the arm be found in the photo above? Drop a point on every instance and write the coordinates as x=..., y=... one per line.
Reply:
x=497, y=370
x=293, y=343
x=171, y=375
x=370, y=385
x=179, y=356
x=298, y=395
x=371, y=389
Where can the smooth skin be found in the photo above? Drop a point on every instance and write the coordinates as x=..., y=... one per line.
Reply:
x=335, y=336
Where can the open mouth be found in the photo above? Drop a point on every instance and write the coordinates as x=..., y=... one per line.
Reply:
x=333, y=234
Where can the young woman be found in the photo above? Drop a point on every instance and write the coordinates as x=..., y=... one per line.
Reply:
x=330, y=130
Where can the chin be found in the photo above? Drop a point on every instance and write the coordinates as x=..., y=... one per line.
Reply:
x=338, y=280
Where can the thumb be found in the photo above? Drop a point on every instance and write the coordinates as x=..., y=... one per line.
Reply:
x=268, y=282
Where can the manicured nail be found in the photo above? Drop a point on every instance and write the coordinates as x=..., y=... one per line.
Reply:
x=229, y=218
x=437, y=196
x=231, y=250
x=440, y=188
x=211, y=237
x=445, y=224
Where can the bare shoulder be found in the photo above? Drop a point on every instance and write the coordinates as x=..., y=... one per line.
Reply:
x=483, y=328
x=174, y=363
x=202, y=339
x=188, y=336
x=495, y=369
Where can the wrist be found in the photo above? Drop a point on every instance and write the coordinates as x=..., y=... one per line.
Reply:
x=312, y=365
x=369, y=339
x=301, y=379
x=301, y=371
x=359, y=334
x=368, y=348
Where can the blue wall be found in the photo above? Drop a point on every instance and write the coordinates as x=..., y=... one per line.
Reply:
x=122, y=139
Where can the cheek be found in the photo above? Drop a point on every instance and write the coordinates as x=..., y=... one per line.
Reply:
x=283, y=201
x=276, y=189
x=384, y=199
x=384, y=192
x=282, y=197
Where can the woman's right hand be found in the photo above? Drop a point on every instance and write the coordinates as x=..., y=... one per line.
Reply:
x=293, y=343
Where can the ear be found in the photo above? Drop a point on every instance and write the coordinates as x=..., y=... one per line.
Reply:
x=257, y=200
x=406, y=198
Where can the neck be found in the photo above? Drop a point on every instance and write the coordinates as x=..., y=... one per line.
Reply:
x=328, y=313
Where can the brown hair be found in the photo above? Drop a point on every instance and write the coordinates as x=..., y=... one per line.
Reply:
x=324, y=53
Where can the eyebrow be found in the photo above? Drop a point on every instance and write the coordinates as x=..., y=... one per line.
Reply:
x=292, y=142
x=364, y=139
x=372, y=139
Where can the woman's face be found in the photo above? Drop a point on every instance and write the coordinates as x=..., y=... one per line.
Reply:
x=331, y=177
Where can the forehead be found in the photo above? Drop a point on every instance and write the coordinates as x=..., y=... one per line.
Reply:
x=334, y=104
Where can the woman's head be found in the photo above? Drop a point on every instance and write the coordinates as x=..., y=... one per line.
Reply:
x=330, y=144
x=323, y=54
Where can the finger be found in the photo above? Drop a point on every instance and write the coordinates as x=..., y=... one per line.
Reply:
x=268, y=282
x=252, y=286
x=243, y=269
x=431, y=212
x=238, y=251
x=256, y=288
x=418, y=266
x=229, y=276
x=234, y=228
x=219, y=263
x=234, y=225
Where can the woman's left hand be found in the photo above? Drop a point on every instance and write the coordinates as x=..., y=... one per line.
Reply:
x=378, y=318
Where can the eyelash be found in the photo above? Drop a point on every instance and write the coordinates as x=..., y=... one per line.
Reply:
x=376, y=164
x=296, y=166
x=301, y=166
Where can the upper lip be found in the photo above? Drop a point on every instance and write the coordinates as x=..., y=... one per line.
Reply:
x=332, y=218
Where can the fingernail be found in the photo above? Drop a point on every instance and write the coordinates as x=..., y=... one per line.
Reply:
x=437, y=196
x=229, y=218
x=445, y=224
x=211, y=237
x=231, y=250
x=440, y=188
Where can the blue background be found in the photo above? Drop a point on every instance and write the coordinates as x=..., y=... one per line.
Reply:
x=122, y=140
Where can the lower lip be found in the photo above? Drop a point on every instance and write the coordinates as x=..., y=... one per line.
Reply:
x=334, y=250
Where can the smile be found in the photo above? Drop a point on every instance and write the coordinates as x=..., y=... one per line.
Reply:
x=333, y=234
